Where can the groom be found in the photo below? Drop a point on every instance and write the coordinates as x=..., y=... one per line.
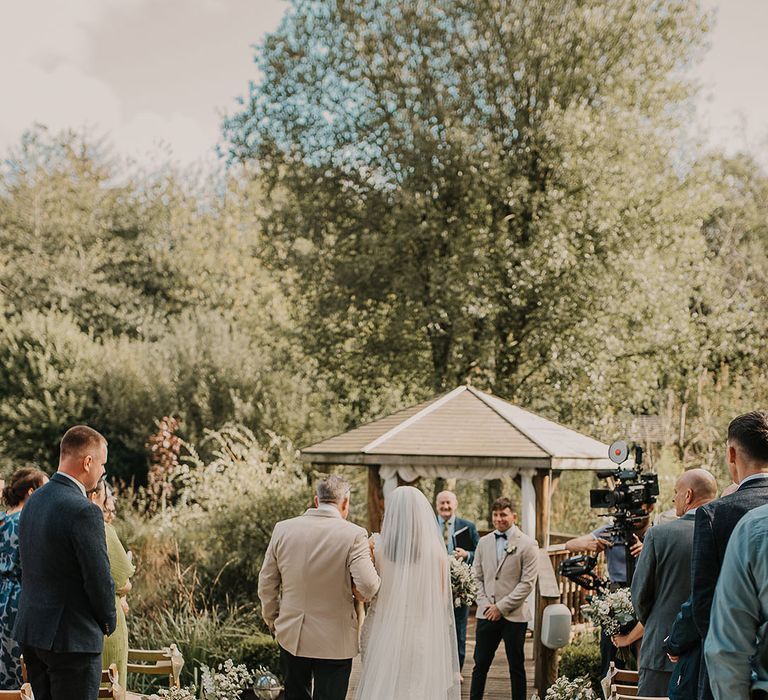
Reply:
x=305, y=589
x=505, y=570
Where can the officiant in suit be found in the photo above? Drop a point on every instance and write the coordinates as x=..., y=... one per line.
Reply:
x=747, y=458
x=455, y=532
x=306, y=594
x=662, y=580
x=67, y=603
x=505, y=567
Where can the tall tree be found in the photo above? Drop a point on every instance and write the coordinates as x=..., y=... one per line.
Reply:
x=464, y=187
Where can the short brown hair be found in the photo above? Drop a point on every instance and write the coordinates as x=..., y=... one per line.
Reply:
x=750, y=431
x=503, y=503
x=80, y=439
x=15, y=491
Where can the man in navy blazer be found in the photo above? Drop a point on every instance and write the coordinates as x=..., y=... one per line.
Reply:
x=746, y=448
x=67, y=602
x=449, y=524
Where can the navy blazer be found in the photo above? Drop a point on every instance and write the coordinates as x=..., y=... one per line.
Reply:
x=684, y=641
x=715, y=522
x=67, y=599
x=460, y=523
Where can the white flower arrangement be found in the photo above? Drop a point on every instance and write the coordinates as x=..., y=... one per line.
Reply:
x=463, y=583
x=184, y=693
x=611, y=611
x=511, y=548
x=565, y=689
x=227, y=682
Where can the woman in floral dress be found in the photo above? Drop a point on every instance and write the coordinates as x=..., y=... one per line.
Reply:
x=19, y=487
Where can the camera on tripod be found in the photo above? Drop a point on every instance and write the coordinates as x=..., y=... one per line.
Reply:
x=633, y=490
x=627, y=500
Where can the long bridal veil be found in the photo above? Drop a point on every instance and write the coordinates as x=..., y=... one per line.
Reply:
x=409, y=639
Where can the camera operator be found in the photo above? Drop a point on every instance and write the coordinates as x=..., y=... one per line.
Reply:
x=605, y=539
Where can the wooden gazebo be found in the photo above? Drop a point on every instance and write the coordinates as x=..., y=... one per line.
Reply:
x=464, y=434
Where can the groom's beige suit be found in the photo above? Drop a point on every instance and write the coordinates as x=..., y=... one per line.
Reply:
x=305, y=583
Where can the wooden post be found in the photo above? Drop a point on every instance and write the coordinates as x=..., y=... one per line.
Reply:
x=547, y=593
x=541, y=483
x=375, y=499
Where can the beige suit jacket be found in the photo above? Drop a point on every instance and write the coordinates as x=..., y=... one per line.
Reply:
x=508, y=582
x=305, y=584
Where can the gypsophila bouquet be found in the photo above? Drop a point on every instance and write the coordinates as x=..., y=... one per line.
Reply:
x=463, y=583
x=612, y=611
x=565, y=689
x=185, y=693
x=227, y=682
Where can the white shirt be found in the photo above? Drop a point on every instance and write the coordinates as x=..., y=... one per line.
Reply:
x=752, y=477
x=72, y=479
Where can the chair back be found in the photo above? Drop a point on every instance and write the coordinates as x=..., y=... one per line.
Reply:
x=167, y=661
x=616, y=695
x=109, y=686
x=626, y=689
x=24, y=693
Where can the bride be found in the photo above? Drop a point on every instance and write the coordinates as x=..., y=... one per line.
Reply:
x=409, y=640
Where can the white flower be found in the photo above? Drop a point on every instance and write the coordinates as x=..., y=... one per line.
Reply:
x=511, y=548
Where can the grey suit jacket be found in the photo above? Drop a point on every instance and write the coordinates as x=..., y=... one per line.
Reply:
x=662, y=583
x=508, y=582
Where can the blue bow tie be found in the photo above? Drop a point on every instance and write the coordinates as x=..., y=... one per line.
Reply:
x=500, y=534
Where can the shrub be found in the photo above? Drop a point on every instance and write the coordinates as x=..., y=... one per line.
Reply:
x=582, y=659
x=260, y=650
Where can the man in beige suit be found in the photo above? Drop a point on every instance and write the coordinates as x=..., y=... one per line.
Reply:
x=505, y=568
x=305, y=588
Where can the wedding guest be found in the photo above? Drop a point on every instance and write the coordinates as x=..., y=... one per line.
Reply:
x=662, y=581
x=305, y=589
x=449, y=524
x=737, y=647
x=116, y=644
x=67, y=601
x=505, y=567
x=21, y=484
x=747, y=459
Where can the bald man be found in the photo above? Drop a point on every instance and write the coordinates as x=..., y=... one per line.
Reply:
x=662, y=580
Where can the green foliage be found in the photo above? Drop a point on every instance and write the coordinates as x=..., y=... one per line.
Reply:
x=229, y=502
x=260, y=650
x=581, y=659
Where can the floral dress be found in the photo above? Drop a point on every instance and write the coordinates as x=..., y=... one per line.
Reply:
x=10, y=590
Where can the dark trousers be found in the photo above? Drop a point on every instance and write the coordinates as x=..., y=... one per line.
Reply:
x=330, y=676
x=461, y=615
x=56, y=675
x=488, y=636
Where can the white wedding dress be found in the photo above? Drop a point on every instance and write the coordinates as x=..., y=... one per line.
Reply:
x=409, y=636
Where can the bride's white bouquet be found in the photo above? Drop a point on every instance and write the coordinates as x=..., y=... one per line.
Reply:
x=612, y=611
x=463, y=583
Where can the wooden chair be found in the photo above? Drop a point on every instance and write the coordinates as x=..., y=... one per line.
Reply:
x=625, y=689
x=25, y=693
x=622, y=676
x=157, y=662
x=109, y=686
x=616, y=695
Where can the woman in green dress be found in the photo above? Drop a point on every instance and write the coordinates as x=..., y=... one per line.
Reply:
x=116, y=645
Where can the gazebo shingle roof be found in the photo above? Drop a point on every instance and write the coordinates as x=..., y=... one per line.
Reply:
x=464, y=423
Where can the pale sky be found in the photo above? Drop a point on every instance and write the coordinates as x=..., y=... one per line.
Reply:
x=151, y=73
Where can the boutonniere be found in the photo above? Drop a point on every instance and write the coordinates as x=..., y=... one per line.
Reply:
x=511, y=548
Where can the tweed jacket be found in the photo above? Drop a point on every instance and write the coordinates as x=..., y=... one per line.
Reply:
x=661, y=584
x=509, y=582
x=305, y=584
x=67, y=599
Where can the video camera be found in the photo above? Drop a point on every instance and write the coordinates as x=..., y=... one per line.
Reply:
x=630, y=493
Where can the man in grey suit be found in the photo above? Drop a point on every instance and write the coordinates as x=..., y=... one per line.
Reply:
x=662, y=580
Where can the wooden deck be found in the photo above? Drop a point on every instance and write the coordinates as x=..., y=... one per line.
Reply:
x=497, y=687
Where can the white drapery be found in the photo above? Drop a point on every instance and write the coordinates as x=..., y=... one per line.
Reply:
x=409, y=473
